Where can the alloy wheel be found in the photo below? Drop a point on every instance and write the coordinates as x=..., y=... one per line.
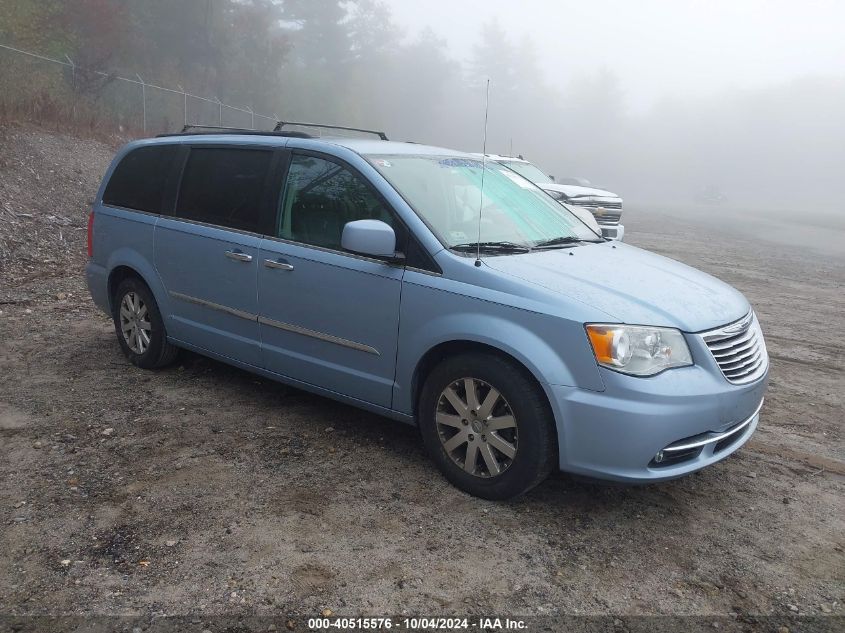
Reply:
x=477, y=427
x=135, y=322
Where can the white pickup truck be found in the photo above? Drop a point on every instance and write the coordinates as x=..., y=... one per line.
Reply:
x=605, y=206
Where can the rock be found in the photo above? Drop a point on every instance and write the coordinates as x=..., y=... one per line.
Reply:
x=20, y=504
x=332, y=449
x=107, y=431
x=37, y=444
x=62, y=296
x=792, y=608
x=329, y=429
x=783, y=629
x=171, y=543
x=327, y=613
x=825, y=608
x=65, y=562
x=751, y=474
x=290, y=625
x=272, y=627
x=786, y=500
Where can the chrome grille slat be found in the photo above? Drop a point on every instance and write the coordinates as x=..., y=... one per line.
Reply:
x=596, y=203
x=741, y=364
x=719, y=344
x=742, y=374
x=734, y=349
x=739, y=349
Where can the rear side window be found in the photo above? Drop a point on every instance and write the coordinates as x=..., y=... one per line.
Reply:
x=139, y=180
x=224, y=186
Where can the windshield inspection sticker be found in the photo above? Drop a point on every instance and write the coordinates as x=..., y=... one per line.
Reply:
x=460, y=162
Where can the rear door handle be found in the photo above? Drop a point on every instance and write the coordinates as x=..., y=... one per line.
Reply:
x=239, y=257
x=272, y=263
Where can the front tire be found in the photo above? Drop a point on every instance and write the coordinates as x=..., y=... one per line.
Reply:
x=487, y=425
x=139, y=326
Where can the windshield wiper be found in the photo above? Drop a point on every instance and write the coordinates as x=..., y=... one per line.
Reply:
x=503, y=247
x=563, y=241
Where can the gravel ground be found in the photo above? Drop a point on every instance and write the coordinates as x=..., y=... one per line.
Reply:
x=202, y=489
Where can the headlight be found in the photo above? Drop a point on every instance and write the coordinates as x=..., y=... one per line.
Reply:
x=638, y=350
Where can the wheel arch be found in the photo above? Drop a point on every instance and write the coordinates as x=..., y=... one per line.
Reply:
x=442, y=350
x=128, y=263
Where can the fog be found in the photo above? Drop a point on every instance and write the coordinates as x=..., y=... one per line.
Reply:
x=658, y=101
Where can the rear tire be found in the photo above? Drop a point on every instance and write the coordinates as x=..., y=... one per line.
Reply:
x=487, y=425
x=139, y=326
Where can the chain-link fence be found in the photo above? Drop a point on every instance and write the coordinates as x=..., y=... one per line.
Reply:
x=44, y=85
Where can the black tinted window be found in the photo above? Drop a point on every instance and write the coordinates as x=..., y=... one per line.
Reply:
x=139, y=180
x=224, y=186
x=321, y=197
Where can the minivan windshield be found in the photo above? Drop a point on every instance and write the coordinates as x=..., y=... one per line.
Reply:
x=532, y=172
x=445, y=191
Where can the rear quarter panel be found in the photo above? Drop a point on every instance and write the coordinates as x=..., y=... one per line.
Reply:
x=125, y=238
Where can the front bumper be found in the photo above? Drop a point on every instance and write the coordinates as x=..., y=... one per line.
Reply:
x=643, y=430
x=613, y=231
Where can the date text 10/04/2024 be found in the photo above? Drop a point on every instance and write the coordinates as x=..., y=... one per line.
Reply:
x=417, y=623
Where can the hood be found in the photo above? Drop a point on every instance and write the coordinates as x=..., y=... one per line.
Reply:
x=573, y=191
x=630, y=284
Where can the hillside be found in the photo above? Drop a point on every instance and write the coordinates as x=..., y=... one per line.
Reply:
x=47, y=183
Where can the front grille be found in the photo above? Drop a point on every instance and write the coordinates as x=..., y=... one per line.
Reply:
x=739, y=349
x=593, y=202
x=602, y=212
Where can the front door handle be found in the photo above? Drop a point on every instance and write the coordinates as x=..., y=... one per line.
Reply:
x=272, y=263
x=239, y=257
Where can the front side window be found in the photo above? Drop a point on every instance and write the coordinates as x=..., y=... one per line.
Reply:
x=224, y=186
x=321, y=196
x=446, y=192
x=139, y=180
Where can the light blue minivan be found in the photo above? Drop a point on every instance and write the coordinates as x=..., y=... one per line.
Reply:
x=432, y=287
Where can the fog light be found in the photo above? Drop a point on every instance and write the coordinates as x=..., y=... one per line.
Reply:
x=659, y=457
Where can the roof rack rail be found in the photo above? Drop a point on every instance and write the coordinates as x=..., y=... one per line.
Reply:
x=189, y=130
x=282, y=124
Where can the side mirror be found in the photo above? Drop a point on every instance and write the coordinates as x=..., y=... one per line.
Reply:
x=369, y=237
x=552, y=177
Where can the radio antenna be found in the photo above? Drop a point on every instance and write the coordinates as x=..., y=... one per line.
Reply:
x=483, y=170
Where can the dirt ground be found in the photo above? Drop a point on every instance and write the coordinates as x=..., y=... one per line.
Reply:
x=202, y=489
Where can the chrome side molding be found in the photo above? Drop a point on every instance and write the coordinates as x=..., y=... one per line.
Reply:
x=287, y=327
x=214, y=306
x=329, y=338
